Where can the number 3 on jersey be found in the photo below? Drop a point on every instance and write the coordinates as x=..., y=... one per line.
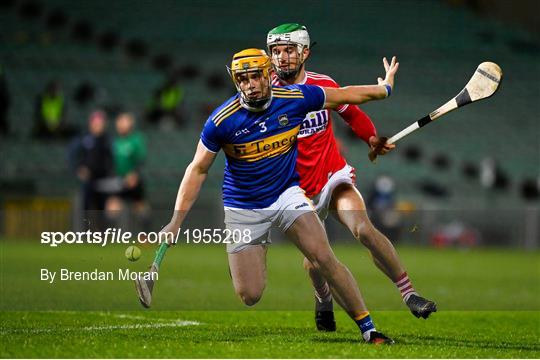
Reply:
x=263, y=127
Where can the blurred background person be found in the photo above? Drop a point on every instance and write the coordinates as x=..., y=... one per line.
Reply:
x=166, y=105
x=382, y=205
x=92, y=160
x=129, y=152
x=50, y=114
x=455, y=233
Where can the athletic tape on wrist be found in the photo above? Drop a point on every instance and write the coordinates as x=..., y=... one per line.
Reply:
x=388, y=90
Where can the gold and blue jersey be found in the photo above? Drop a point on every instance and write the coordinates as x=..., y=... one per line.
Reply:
x=260, y=147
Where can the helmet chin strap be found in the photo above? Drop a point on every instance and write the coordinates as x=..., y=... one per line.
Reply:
x=255, y=105
x=291, y=78
x=287, y=75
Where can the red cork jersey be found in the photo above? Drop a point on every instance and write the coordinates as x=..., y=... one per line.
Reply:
x=318, y=152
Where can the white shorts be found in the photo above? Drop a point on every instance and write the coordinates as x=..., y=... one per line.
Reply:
x=291, y=204
x=322, y=200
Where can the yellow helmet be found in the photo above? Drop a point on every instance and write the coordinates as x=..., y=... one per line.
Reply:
x=252, y=60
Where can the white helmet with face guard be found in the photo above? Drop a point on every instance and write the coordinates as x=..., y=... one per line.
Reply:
x=288, y=34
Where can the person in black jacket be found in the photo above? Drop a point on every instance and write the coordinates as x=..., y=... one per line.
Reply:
x=91, y=159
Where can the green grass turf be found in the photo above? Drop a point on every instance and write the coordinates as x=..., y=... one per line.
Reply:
x=265, y=334
x=489, y=303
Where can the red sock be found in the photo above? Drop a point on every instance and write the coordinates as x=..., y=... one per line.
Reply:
x=405, y=287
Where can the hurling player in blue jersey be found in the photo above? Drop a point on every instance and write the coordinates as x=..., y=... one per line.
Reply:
x=257, y=130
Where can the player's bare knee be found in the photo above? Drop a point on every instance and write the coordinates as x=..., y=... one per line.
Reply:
x=250, y=298
x=250, y=294
x=324, y=262
x=363, y=231
x=250, y=301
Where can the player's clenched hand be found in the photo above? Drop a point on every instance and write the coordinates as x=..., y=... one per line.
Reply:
x=169, y=232
x=391, y=70
x=379, y=146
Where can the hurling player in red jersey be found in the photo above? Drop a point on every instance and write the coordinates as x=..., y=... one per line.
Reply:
x=327, y=178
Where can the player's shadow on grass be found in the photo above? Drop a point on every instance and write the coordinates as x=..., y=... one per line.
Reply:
x=473, y=343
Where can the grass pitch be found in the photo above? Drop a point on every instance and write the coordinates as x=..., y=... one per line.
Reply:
x=489, y=303
x=264, y=334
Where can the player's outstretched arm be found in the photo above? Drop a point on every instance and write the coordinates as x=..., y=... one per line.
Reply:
x=360, y=94
x=191, y=184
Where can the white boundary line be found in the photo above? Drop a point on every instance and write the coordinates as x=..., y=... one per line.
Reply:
x=102, y=328
x=154, y=324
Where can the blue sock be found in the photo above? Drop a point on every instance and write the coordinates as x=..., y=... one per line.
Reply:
x=365, y=324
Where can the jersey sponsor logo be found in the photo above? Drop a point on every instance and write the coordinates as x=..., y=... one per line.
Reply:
x=315, y=122
x=263, y=148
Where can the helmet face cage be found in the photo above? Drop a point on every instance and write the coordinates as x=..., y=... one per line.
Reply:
x=290, y=72
x=290, y=34
x=245, y=64
x=243, y=75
